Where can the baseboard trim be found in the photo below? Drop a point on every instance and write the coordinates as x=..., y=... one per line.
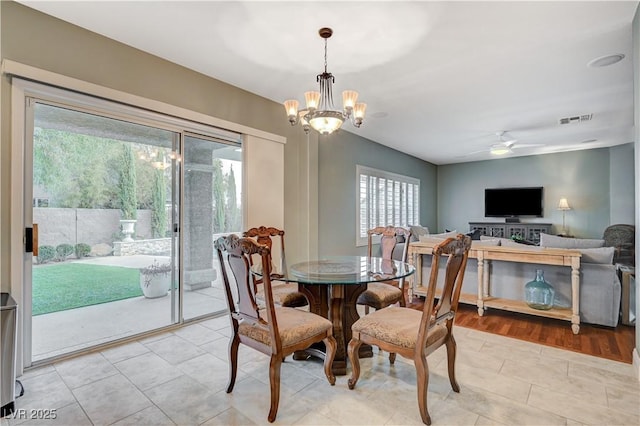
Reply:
x=636, y=362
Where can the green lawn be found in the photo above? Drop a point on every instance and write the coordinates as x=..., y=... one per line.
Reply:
x=72, y=285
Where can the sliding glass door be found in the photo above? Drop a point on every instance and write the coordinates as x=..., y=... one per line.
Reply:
x=102, y=203
x=123, y=213
x=212, y=185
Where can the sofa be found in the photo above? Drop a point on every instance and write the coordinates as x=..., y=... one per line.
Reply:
x=600, y=289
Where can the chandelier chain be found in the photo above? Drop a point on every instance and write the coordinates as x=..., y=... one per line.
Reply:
x=325, y=55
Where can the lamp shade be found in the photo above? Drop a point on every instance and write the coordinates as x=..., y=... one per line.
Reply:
x=563, y=204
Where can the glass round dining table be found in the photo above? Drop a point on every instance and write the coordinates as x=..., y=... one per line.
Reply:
x=332, y=285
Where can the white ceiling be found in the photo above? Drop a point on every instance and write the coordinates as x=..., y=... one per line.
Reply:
x=440, y=78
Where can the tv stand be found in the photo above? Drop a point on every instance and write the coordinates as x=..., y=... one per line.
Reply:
x=513, y=219
x=525, y=231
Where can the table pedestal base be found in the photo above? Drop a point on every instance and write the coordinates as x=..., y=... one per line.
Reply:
x=337, y=302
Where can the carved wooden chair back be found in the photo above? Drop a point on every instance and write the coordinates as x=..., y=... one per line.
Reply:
x=378, y=294
x=274, y=331
x=237, y=253
x=388, y=241
x=264, y=235
x=414, y=334
x=284, y=294
x=456, y=251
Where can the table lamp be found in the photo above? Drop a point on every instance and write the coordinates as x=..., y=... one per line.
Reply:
x=564, y=206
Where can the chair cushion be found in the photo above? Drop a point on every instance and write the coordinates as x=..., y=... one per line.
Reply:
x=398, y=326
x=284, y=295
x=380, y=295
x=294, y=326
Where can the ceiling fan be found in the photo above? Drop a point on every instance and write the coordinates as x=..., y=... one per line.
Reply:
x=505, y=145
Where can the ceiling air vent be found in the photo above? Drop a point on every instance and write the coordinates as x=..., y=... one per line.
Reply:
x=576, y=119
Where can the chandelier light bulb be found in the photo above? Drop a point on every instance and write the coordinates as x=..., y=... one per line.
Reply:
x=349, y=98
x=291, y=106
x=358, y=113
x=312, y=99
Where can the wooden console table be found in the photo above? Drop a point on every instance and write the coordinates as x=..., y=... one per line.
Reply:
x=529, y=254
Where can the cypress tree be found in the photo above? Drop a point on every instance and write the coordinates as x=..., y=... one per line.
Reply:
x=158, y=200
x=127, y=184
x=219, y=211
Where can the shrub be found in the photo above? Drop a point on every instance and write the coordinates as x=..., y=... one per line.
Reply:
x=63, y=251
x=82, y=250
x=46, y=254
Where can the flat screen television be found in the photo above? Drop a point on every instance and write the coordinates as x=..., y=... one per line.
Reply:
x=513, y=202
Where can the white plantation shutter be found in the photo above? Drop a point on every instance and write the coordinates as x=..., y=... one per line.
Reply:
x=385, y=199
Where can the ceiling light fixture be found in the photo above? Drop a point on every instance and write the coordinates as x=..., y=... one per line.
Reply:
x=500, y=149
x=605, y=61
x=320, y=112
x=504, y=147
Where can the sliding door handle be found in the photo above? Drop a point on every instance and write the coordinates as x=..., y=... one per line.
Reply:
x=31, y=240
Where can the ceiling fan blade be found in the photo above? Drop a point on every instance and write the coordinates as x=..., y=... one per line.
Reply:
x=469, y=154
x=527, y=145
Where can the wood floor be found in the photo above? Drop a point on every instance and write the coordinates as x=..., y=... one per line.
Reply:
x=612, y=343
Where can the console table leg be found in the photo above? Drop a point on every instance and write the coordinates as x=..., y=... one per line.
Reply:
x=481, y=285
x=575, y=295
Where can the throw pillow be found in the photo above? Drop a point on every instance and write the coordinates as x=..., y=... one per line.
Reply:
x=417, y=231
x=554, y=241
x=597, y=255
x=475, y=234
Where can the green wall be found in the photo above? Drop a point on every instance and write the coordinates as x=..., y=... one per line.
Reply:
x=337, y=158
x=622, y=184
x=583, y=177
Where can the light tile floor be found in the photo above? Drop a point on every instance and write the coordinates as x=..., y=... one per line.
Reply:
x=180, y=377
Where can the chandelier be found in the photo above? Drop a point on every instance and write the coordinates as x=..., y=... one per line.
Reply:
x=320, y=114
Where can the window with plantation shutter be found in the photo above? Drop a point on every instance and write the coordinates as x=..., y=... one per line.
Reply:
x=385, y=198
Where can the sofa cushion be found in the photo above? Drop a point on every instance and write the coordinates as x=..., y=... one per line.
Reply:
x=508, y=242
x=547, y=240
x=493, y=242
x=437, y=238
x=444, y=235
x=597, y=255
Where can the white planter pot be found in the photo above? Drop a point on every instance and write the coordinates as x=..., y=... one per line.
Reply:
x=156, y=285
x=128, y=228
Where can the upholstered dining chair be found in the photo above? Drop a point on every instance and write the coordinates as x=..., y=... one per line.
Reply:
x=274, y=331
x=379, y=295
x=414, y=334
x=285, y=294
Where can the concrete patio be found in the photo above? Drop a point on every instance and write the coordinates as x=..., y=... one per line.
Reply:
x=71, y=330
